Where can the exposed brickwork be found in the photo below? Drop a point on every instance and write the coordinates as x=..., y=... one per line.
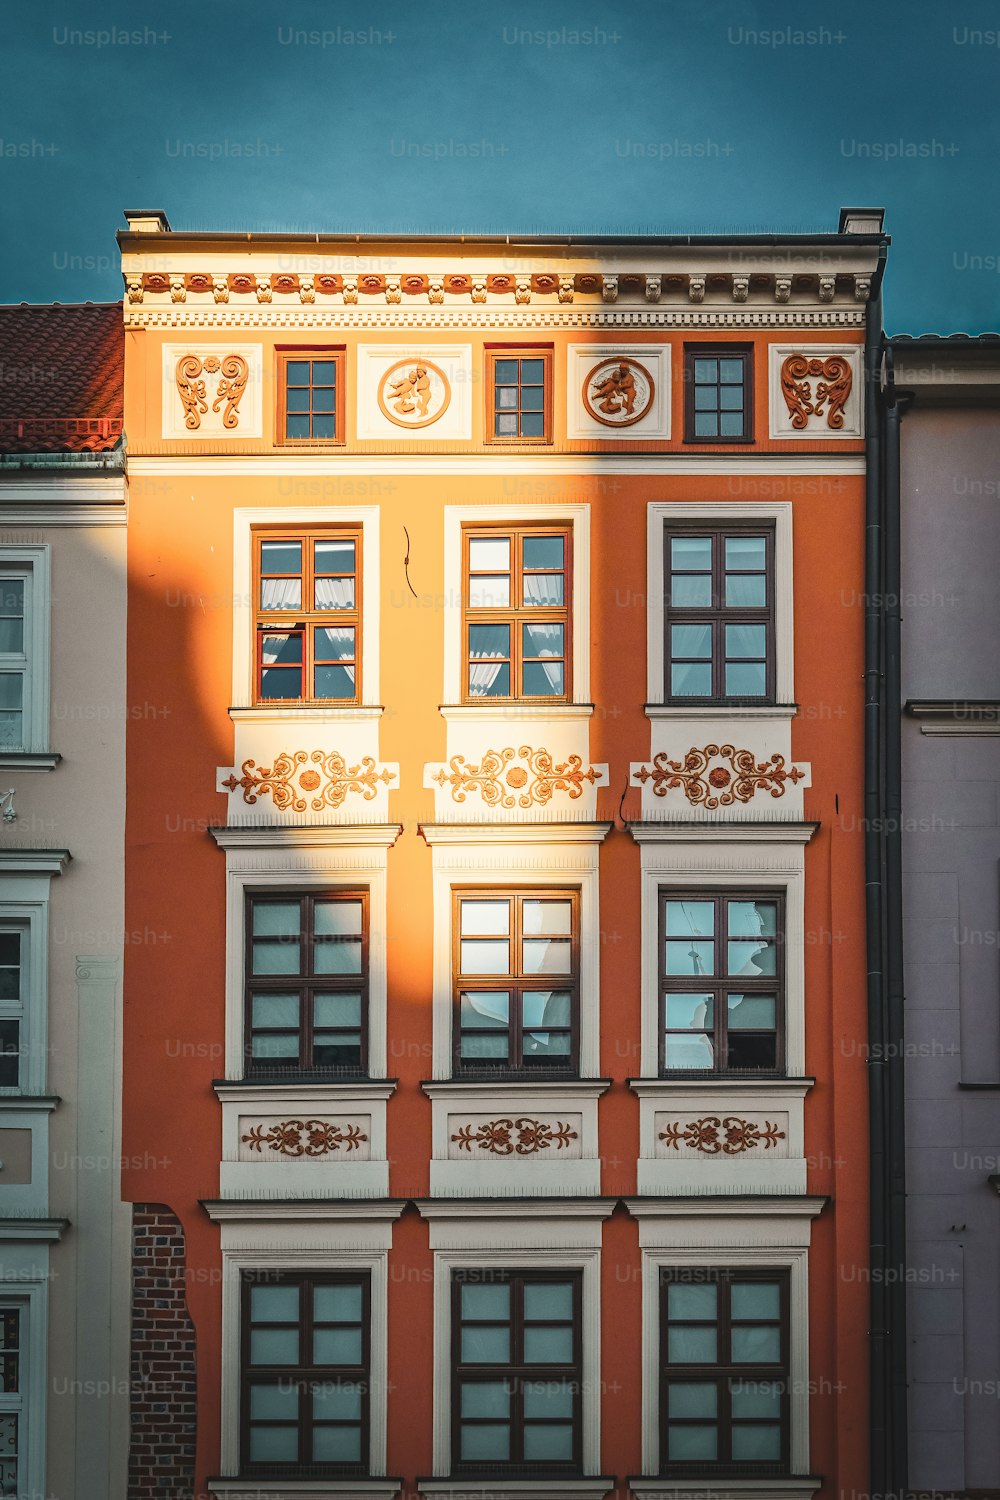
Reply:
x=163, y=1380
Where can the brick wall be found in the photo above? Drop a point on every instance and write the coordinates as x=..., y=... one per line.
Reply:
x=162, y=1374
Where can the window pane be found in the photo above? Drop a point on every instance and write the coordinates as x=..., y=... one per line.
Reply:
x=752, y=1011
x=550, y=1302
x=335, y=555
x=274, y=1444
x=554, y=918
x=691, y=640
x=758, y=1443
x=340, y=1009
x=682, y=1052
x=756, y=1346
x=338, y=1400
x=543, y=590
x=485, y=1048
x=338, y=917
x=485, y=1301
x=692, y=1443
x=334, y=593
x=552, y=1443
x=548, y=1398
x=323, y=400
x=334, y=643
x=548, y=1346
x=483, y=957
x=547, y=956
x=532, y=426
x=532, y=371
x=695, y=1011
x=532, y=398
x=337, y=957
x=746, y=591
x=485, y=1398
x=334, y=682
x=692, y=1302
x=298, y=401
x=485, y=1346
x=337, y=1346
x=274, y=1346
x=280, y=557
x=691, y=554
x=543, y=551
x=691, y=1346
x=756, y=1299
x=280, y=956
x=485, y=918
x=731, y=398
x=753, y=1050
x=746, y=554
x=274, y=1304
x=731, y=424
x=690, y=918
x=505, y=371
x=12, y=597
x=755, y=1398
x=706, y=424
x=11, y=635
x=485, y=1008
x=690, y=680
x=751, y=959
x=489, y=554
x=489, y=591
x=275, y=1047
x=542, y=640
x=489, y=642
x=281, y=682
x=706, y=369
x=746, y=640
x=337, y=1445
x=297, y=371
x=486, y=1441
x=338, y=1304
x=752, y=918
x=691, y=590
x=543, y=1008
x=544, y=679
x=274, y=1402
x=746, y=680
x=689, y=957
x=275, y=1010
x=276, y=919
x=692, y=1399
x=730, y=370
x=506, y=425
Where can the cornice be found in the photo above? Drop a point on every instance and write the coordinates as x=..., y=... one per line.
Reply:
x=582, y=466
x=516, y=1208
x=15, y=861
x=294, y=1210
x=726, y=1206
x=309, y=835
x=514, y=833
x=721, y=831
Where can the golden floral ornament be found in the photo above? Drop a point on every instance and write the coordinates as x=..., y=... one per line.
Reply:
x=618, y=392
x=523, y=1136
x=297, y=772
x=718, y=775
x=414, y=392
x=305, y=1137
x=814, y=387
x=517, y=778
x=728, y=1135
x=233, y=372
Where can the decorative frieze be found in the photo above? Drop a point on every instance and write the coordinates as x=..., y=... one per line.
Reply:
x=523, y=778
x=618, y=391
x=305, y=1138
x=212, y=391
x=815, y=391
x=233, y=372
x=816, y=388
x=730, y=1134
x=522, y=1136
x=317, y=780
x=716, y=776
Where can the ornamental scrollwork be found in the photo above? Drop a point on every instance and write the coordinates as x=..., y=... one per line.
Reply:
x=502, y=784
x=738, y=776
x=729, y=1134
x=293, y=772
x=509, y=1137
x=305, y=1137
x=828, y=394
x=233, y=372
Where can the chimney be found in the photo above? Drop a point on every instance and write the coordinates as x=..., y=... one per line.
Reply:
x=147, y=221
x=861, y=221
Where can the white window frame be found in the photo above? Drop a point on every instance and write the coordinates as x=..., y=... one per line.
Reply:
x=245, y=521
x=720, y=857
x=359, y=1258
x=576, y=515
x=517, y=855
x=290, y=858
x=32, y=1300
x=32, y=564
x=661, y=513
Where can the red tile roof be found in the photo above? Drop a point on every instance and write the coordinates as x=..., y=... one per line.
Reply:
x=61, y=377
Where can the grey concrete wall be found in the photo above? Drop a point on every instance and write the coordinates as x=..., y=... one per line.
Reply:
x=951, y=896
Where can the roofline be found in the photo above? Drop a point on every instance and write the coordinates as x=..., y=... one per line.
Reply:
x=63, y=306
x=580, y=241
x=950, y=341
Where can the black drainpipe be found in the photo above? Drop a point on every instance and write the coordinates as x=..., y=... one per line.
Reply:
x=896, y=403
x=881, y=1438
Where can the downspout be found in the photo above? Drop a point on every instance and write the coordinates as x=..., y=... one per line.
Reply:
x=880, y=1436
x=896, y=403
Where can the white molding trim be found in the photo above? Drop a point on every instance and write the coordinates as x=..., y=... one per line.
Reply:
x=514, y=833
x=347, y=861
x=533, y=1256
x=516, y=1489
x=457, y=712
x=705, y=831
x=776, y=867
x=677, y=714
x=514, y=860
x=573, y=513
x=76, y=491
x=265, y=836
x=354, y=714
x=774, y=467
x=345, y=1257
x=30, y=862
x=310, y=1489
x=63, y=515
x=245, y=518
x=776, y=1487
x=658, y=513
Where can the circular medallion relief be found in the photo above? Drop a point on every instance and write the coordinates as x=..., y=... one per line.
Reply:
x=618, y=392
x=414, y=393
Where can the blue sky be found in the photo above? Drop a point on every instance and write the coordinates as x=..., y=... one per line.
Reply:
x=680, y=116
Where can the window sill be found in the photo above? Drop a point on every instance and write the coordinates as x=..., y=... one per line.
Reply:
x=29, y=760
x=261, y=1488
x=37, y=1103
x=721, y=1487
x=769, y=1083
x=699, y=711
x=497, y=1486
x=352, y=713
x=257, y=1090
x=520, y=710
x=553, y=1084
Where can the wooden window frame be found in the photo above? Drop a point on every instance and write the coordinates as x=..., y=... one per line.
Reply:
x=515, y=983
x=494, y=352
x=723, y=1370
x=515, y=615
x=517, y=1372
x=718, y=615
x=304, y=1372
x=306, y=983
x=744, y=352
x=287, y=353
x=305, y=621
x=721, y=985
x=13, y=1013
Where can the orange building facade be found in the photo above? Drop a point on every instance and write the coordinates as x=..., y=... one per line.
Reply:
x=495, y=1100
